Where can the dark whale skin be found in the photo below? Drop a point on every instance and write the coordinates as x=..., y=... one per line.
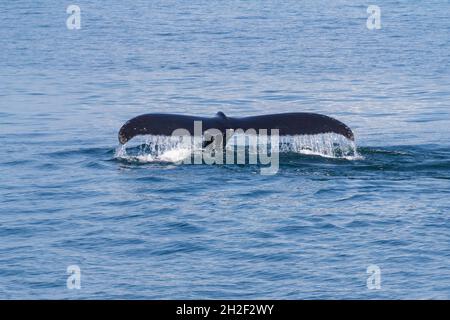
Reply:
x=296, y=123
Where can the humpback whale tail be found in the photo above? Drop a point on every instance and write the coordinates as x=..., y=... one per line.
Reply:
x=286, y=123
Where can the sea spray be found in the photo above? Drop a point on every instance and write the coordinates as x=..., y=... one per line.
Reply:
x=329, y=145
x=177, y=149
x=152, y=148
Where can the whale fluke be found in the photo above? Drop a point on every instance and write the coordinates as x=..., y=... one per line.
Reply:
x=297, y=123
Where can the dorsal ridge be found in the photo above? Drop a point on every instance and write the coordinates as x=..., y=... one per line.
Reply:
x=222, y=115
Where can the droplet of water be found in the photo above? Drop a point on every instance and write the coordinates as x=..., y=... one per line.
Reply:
x=175, y=149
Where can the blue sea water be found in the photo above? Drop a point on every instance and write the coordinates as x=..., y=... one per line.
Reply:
x=160, y=230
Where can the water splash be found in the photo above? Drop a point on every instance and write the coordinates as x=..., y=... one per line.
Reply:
x=176, y=149
x=159, y=149
x=328, y=145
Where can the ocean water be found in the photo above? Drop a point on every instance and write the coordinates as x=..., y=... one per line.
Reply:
x=159, y=230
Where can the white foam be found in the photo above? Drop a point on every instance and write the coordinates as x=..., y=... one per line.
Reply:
x=158, y=149
x=328, y=145
x=176, y=149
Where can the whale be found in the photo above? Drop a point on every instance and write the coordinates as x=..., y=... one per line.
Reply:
x=295, y=123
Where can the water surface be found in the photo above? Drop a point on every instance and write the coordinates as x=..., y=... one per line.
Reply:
x=160, y=230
